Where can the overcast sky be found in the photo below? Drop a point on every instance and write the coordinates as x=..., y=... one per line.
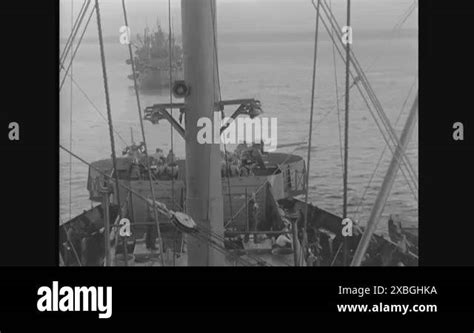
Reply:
x=245, y=15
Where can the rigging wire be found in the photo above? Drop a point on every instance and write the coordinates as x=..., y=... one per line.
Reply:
x=346, y=127
x=413, y=178
x=313, y=89
x=109, y=117
x=382, y=154
x=86, y=96
x=387, y=185
x=170, y=55
x=74, y=24
x=336, y=84
x=219, y=90
x=383, y=134
x=211, y=13
x=70, y=120
x=74, y=31
x=371, y=94
x=406, y=15
x=215, y=240
x=404, y=174
x=396, y=29
x=369, y=107
x=75, y=51
x=70, y=158
x=142, y=128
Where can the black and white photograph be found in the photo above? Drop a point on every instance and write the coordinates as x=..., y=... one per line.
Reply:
x=286, y=161
x=238, y=133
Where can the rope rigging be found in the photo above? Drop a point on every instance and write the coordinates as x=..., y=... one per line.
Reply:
x=336, y=85
x=71, y=244
x=109, y=114
x=74, y=30
x=386, y=187
x=381, y=121
x=75, y=50
x=219, y=91
x=396, y=29
x=346, y=129
x=313, y=89
x=86, y=96
x=348, y=87
x=70, y=121
x=381, y=156
x=360, y=77
x=142, y=129
x=170, y=55
x=412, y=187
x=406, y=15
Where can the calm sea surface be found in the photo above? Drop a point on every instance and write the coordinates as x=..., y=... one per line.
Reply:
x=277, y=71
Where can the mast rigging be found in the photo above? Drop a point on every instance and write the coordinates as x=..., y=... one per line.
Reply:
x=170, y=56
x=75, y=28
x=346, y=124
x=109, y=116
x=370, y=100
x=142, y=129
x=313, y=88
x=387, y=184
x=66, y=70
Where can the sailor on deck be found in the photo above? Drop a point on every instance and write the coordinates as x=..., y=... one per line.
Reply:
x=159, y=156
x=171, y=158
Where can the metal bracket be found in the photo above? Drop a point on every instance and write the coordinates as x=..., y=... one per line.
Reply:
x=248, y=107
x=157, y=112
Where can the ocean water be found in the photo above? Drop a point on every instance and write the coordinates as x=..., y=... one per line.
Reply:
x=276, y=71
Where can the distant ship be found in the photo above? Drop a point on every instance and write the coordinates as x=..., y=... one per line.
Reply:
x=152, y=60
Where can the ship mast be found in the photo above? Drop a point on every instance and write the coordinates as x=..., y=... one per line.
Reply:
x=203, y=171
